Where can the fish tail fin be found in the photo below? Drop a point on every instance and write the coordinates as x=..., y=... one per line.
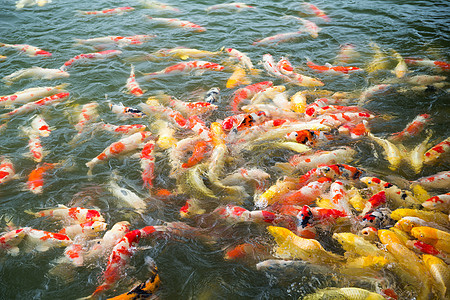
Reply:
x=27, y=211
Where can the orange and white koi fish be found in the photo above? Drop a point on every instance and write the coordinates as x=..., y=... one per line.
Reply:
x=10, y=240
x=248, y=92
x=95, y=55
x=120, y=255
x=233, y=6
x=192, y=108
x=329, y=69
x=87, y=229
x=271, y=67
x=242, y=57
x=28, y=49
x=108, y=11
x=434, y=64
x=126, y=111
x=412, y=129
x=43, y=240
x=35, y=73
x=239, y=77
x=439, y=202
x=439, y=180
x=35, y=182
x=124, y=129
x=178, y=23
x=185, y=67
x=87, y=116
x=236, y=214
x=30, y=94
x=70, y=215
x=132, y=85
x=318, y=12
x=338, y=119
x=7, y=170
x=120, y=147
x=339, y=197
x=148, y=164
x=158, y=5
x=51, y=100
x=340, y=171
x=118, y=40
x=436, y=152
x=347, y=54
x=172, y=115
x=308, y=26
x=34, y=145
x=243, y=121
x=307, y=194
x=279, y=38
x=309, y=137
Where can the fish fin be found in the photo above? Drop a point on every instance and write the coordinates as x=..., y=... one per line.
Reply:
x=27, y=211
x=42, y=248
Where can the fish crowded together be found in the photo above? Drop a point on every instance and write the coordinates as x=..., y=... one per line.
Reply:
x=271, y=167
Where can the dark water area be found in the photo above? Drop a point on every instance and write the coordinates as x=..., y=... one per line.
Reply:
x=189, y=267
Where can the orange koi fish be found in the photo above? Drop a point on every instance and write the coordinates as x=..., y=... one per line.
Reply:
x=172, y=115
x=318, y=12
x=148, y=164
x=123, y=146
x=28, y=49
x=132, y=85
x=35, y=183
x=436, y=152
x=200, y=148
x=248, y=92
x=95, y=55
x=178, y=23
x=108, y=11
x=329, y=69
x=186, y=67
x=412, y=129
x=30, y=95
x=7, y=171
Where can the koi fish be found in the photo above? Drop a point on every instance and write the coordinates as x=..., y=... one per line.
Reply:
x=341, y=171
x=119, y=40
x=127, y=197
x=329, y=69
x=35, y=183
x=27, y=49
x=436, y=152
x=233, y=6
x=407, y=223
x=372, y=91
x=424, y=79
x=90, y=228
x=30, y=95
x=212, y=95
x=401, y=69
x=396, y=196
x=122, y=110
x=108, y=11
x=148, y=164
x=85, y=56
x=416, y=155
x=31, y=106
x=439, y=180
x=200, y=148
x=439, y=202
x=71, y=215
x=122, y=146
x=412, y=129
x=279, y=38
x=124, y=129
x=36, y=73
x=350, y=293
x=132, y=85
x=186, y=67
x=435, y=237
x=185, y=53
x=271, y=67
x=309, y=137
x=308, y=26
x=87, y=116
x=42, y=241
x=347, y=54
x=10, y=240
x=7, y=170
x=173, y=22
x=233, y=214
x=379, y=61
x=34, y=145
x=392, y=153
x=427, y=216
x=248, y=92
x=28, y=3
x=39, y=126
x=434, y=64
x=158, y=5
x=356, y=244
x=380, y=218
x=192, y=108
x=237, y=78
x=308, y=193
x=440, y=272
x=242, y=57
x=318, y=12
x=174, y=116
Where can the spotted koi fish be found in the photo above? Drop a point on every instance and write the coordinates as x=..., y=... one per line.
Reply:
x=108, y=11
x=44, y=240
x=71, y=215
x=436, y=152
x=178, y=23
x=248, y=92
x=122, y=110
x=412, y=129
x=30, y=94
x=186, y=67
x=148, y=164
x=132, y=85
x=7, y=170
x=10, y=240
x=26, y=108
x=27, y=49
x=86, y=56
x=35, y=182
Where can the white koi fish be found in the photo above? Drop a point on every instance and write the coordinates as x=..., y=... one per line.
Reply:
x=439, y=180
x=7, y=170
x=41, y=127
x=347, y=53
x=372, y=91
x=27, y=49
x=233, y=6
x=132, y=85
x=271, y=67
x=178, y=23
x=192, y=108
x=127, y=197
x=95, y=55
x=28, y=3
x=125, y=111
x=308, y=26
x=242, y=57
x=434, y=64
x=280, y=38
x=158, y=5
x=121, y=41
x=35, y=73
x=120, y=147
x=31, y=94
x=87, y=229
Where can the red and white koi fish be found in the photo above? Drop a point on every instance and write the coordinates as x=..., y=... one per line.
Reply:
x=354, y=131
x=439, y=180
x=35, y=73
x=347, y=54
x=234, y=214
x=316, y=216
x=74, y=253
x=95, y=55
x=318, y=12
x=436, y=152
x=34, y=145
x=158, y=5
x=412, y=129
x=121, y=254
x=192, y=108
x=329, y=69
x=439, y=202
x=51, y=100
x=198, y=153
x=172, y=115
x=35, y=182
x=70, y=215
x=308, y=26
x=279, y=38
x=373, y=91
x=424, y=79
x=40, y=126
x=199, y=127
x=307, y=194
x=119, y=40
x=125, y=129
x=28, y=49
x=126, y=111
x=248, y=92
x=186, y=67
x=87, y=116
x=435, y=64
x=108, y=11
x=30, y=94
x=132, y=85
x=243, y=121
x=309, y=137
x=374, y=201
x=10, y=240
x=148, y=164
x=271, y=67
x=120, y=147
x=395, y=196
x=7, y=170
x=43, y=240
x=178, y=23
x=336, y=120
x=339, y=197
x=242, y=57
x=340, y=171
x=87, y=229
x=233, y=6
